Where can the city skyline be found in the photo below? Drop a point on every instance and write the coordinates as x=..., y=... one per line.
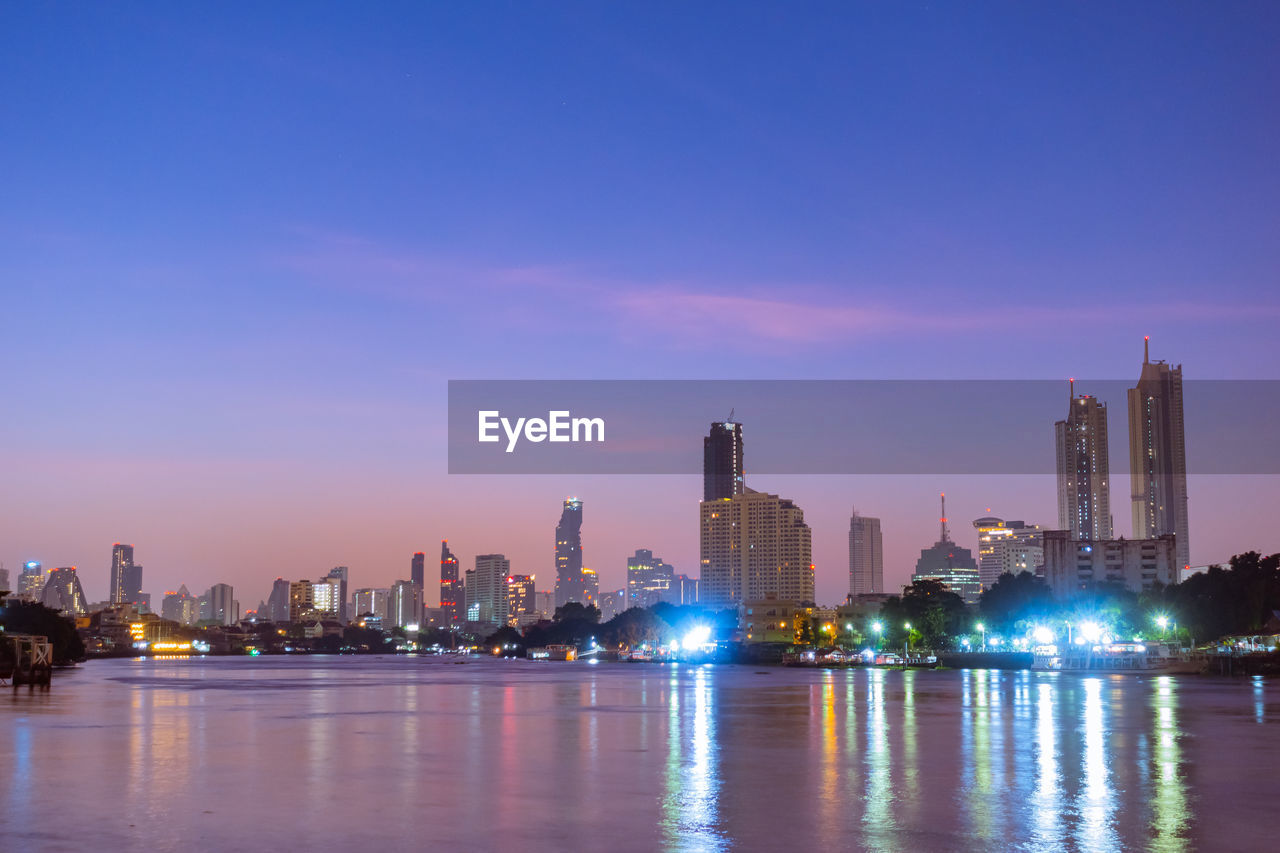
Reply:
x=1033, y=214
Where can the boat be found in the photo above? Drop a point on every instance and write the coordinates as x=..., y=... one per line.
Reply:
x=1155, y=658
x=553, y=653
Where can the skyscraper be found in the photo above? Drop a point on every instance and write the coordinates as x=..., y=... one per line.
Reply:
x=371, y=601
x=404, y=604
x=121, y=563
x=570, y=583
x=450, y=586
x=300, y=601
x=722, y=461
x=521, y=597
x=1084, y=472
x=223, y=608
x=648, y=579
x=754, y=546
x=487, y=590
x=328, y=596
x=278, y=603
x=866, y=555
x=31, y=581
x=62, y=591
x=338, y=576
x=947, y=562
x=1158, y=455
x=1007, y=547
x=418, y=569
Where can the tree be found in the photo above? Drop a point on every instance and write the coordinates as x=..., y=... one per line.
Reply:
x=635, y=627
x=1013, y=599
x=32, y=617
x=574, y=610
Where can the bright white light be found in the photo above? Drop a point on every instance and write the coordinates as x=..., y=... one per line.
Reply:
x=1043, y=635
x=1091, y=631
x=675, y=645
x=877, y=627
x=412, y=629
x=697, y=637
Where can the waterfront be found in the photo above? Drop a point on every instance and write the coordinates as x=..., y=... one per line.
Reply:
x=403, y=753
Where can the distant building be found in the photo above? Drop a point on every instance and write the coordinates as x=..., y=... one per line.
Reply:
x=546, y=603
x=1007, y=547
x=1084, y=471
x=371, y=600
x=754, y=546
x=418, y=569
x=1158, y=456
x=278, y=603
x=487, y=590
x=947, y=562
x=327, y=596
x=1075, y=565
x=181, y=607
x=521, y=596
x=866, y=555
x=62, y=591
x=590, y=587
x=31, y=581
x=4, y=580
x=722, y=471
x=339, y=575
x=121, y=560
x=404, y=604
x=223, y=608
x=649, y=579
x=570, y=583
x=450, y=585
x=770, y=620
x=684, y=590
x=301, y=602
x=613, y=603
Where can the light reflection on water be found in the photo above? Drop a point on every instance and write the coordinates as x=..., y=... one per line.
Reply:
x=411, y=754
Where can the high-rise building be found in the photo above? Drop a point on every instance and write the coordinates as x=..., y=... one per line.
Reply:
x=570, y=583
x=684, y=590
x=487, y=590
x=1007, y=547
x=546, y=603
x=754, y=546
x=450, y=585
x=341, y=575
x=418, y=569
x=947, y=562
x=521, y=597
x=301, y=604
x=722, y=461
x=371, y=601
x=278, y=602
x=328, y=597
x=649, y=579
x=404, y=605
x=121, y=563
x=180, y=607
x=1084, y=472
x=223, y=608
x=31, y=581
x=4, y=579
x=62, y=591
x=613, y=603
x=866, y=555
x=1075, y=565
x=1158, y=455
x=590, y=587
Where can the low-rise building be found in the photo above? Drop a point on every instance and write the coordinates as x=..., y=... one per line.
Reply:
x=1073, y=566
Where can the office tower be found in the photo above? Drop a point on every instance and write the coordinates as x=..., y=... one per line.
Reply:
x=31, y=581
x=487, y=590
x=371, y=602
x=278, y=602
x=62, y=591
x=546, y=603
x=866, y=555
x=418, y=569
x=171, y=606
x=1072, y=566
x=223, y=608
x=754, y=546
x=404, y=605
x=1158, y=455
x=649, y=579
x=121, y=562
x=722, y=461
x=947, y=562
x=1084, y=472
x=300, y=601
x=133, y=593
x=450, y=585
x=4, y=579
x=590, y=587
x=1007, y=547
x=684, y=590
x=328, y=597
x=521, y=597
x=570, y=583
x=614, y=603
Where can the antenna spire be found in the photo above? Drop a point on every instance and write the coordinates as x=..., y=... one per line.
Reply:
x=731, y=411
x=945, y=537
x=1146, y=349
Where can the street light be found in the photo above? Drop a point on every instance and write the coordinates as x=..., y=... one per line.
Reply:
x=878, y=627
x=982, y=628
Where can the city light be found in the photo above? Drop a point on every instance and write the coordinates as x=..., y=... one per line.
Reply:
x=696, y=638
x=1091, y=632
x=1043, y=635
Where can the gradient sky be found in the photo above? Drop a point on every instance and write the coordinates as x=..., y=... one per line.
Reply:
x=244, y=246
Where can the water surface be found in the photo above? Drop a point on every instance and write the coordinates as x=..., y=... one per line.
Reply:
x=402, y=753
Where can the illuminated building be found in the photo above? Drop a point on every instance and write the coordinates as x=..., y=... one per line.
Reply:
x=684, y=590
x=278, y=602
x=121, y=559
x=590, y=587
x=1007, y=547
x=418, y=569
x=571, y=583
x=180, y=607
x=947, y=562
x=754, y=546
x=546, y=603
x=722, y=475
x=770, y=620
x=521, y=596
x=866, y=555
x=1075, y=565
x=300, y=600
x=223, y=608
x=338, y=575
x=31, y=581
x=327, y=598
x=62, y=591
x=613, y=603
x=648, y=579
x=404, y=604
x=487, y=590
x=371, y=601
x=1084, y=472
x=1158, y=456
x=450, y=586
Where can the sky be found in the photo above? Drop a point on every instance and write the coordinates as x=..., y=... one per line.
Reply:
x=244, y=247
